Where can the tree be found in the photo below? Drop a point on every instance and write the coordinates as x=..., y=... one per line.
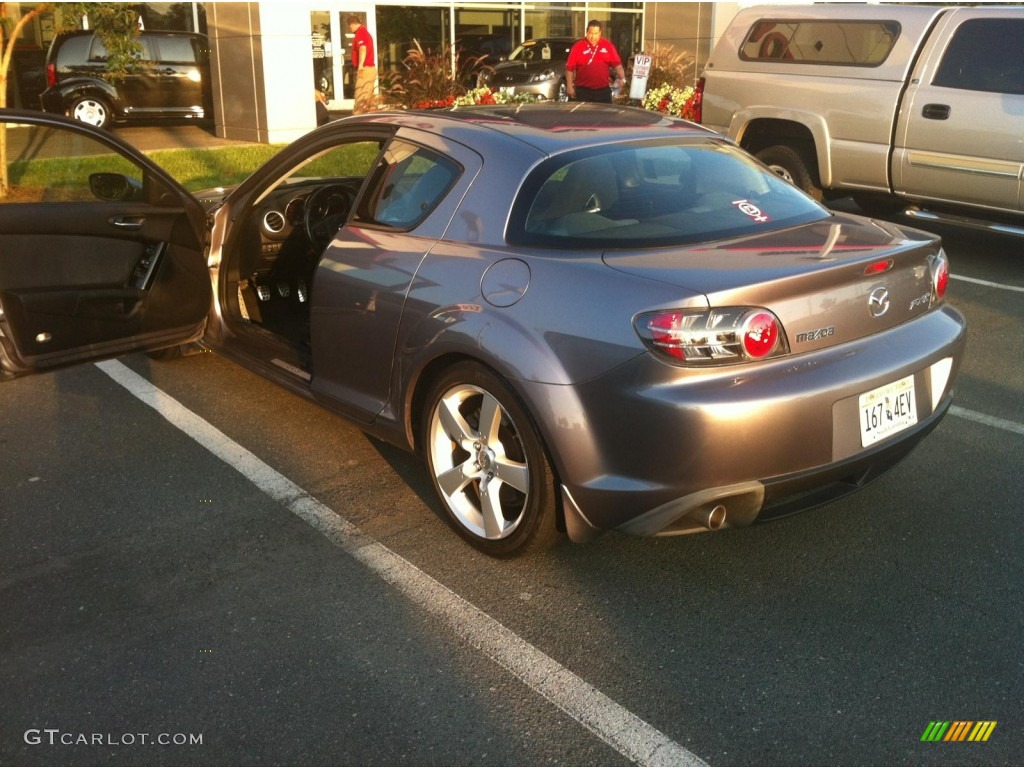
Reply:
x=117, y=26
x=115, y=23
x=8, y=35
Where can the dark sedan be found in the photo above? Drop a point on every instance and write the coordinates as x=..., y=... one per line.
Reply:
x=583, y=317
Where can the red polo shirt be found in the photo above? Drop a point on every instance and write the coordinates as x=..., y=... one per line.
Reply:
x=362, y=38
x=591, y=63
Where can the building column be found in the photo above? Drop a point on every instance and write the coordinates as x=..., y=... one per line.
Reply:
x=261, y=70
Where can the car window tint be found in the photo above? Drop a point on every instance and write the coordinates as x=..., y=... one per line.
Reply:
x=541, y=51
x=407, y=185
x=177, y=50
x=98, y=52
x=821, y=41
x=985, y=55
x=73, y=50
x=59, y=166
x=655, y=195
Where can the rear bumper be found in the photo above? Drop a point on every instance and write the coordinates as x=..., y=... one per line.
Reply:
x=651, y=449
x=52, y=100
x=775, y=497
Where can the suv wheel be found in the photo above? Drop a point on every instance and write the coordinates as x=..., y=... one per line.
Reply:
x=90, y=110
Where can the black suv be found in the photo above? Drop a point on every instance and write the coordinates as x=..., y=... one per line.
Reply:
x=171, y=81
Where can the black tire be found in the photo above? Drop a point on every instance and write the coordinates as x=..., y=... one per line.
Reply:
x=91, y=110
x=792, y=165
x=505, y=464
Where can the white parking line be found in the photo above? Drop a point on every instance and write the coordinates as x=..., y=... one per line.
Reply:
x=987, y=283
x=613, y=724
x=988, y=421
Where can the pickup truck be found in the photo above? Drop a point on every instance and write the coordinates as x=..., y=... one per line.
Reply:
x=896, y=105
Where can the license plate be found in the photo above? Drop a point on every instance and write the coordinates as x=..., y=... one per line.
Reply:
x=507, y=89
x=887, y=410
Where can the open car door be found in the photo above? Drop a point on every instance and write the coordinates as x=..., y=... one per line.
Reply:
x=101, y=253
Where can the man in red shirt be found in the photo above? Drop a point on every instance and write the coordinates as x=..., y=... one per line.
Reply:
x=364, y=63
x=587, y=68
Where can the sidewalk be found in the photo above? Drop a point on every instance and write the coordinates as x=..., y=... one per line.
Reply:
x=148, y=138
x=156, y=136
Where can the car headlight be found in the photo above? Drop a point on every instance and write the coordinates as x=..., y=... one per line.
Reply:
x=540, y=77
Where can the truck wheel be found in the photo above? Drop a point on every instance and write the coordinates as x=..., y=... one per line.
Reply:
x=791, y=164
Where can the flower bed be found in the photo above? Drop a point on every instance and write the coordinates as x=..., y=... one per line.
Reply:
x=671, y=100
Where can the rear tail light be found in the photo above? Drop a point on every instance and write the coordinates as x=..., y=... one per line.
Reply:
x=940, y=274
x=712, y=337
x=51, y=75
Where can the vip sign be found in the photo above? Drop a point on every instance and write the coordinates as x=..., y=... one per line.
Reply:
x=641, y=71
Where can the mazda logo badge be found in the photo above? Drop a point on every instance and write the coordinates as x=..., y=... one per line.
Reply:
x=878, y=302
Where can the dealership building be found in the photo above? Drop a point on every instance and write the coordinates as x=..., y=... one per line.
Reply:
x=268, y=58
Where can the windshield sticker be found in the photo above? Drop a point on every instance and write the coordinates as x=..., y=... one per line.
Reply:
x=751, y=210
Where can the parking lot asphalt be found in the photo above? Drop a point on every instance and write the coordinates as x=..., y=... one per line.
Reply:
x=150, y=591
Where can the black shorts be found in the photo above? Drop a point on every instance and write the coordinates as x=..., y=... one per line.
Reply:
x=602, y=95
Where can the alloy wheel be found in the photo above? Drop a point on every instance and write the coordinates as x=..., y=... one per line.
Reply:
x=478, y=461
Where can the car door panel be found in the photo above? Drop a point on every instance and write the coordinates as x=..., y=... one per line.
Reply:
x=363, y=278
x=83, y=279
x=959, y=135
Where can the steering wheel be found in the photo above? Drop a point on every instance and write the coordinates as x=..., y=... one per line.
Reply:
x=325, y=211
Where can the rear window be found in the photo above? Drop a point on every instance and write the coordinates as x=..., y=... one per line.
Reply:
x=73, y=50
x=820, y=41
x=655, y=194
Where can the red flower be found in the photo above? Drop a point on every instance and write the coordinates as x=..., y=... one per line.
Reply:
x=688, y=112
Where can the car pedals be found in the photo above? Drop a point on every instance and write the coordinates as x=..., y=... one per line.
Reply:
x=284, y=290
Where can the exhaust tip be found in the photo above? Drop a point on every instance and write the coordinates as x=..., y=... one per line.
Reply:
x=711, y=518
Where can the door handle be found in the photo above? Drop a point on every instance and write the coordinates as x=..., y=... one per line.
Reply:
x=935, y=111
x=127, y=222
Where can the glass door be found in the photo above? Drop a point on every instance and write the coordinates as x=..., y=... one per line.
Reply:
x=323, y=37
x=331, y=44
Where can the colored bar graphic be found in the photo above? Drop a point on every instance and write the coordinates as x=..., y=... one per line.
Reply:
x=959, y=730
x=935, y=731
x=982, y=730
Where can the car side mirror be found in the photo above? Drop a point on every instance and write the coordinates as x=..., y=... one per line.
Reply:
x=114, y=187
